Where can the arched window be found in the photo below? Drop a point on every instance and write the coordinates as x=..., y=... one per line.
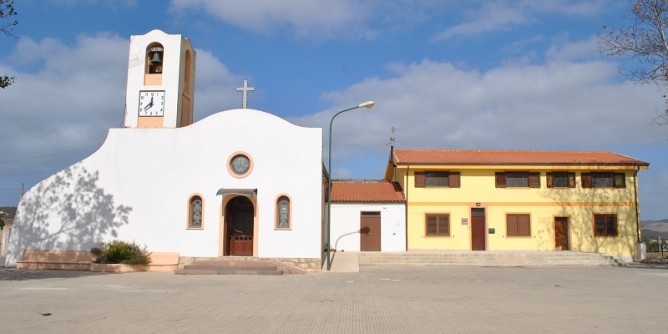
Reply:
x=195, y=212
x=283, y=212
x=155, y=54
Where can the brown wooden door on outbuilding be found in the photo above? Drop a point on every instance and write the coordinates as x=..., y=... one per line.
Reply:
x=370, y=231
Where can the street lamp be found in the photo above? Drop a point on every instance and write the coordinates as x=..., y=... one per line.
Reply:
x=369, y=105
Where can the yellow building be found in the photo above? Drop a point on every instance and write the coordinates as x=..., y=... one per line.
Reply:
x=519, y=200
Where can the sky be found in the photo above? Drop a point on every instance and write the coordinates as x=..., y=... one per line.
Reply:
x=446, y=74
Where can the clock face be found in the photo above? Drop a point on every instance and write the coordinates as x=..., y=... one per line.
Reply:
x=151, y=103
x=240, y=164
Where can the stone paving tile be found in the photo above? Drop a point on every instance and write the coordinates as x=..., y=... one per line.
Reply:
x=394, y=299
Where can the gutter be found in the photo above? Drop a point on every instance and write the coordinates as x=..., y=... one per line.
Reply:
x=635, y=195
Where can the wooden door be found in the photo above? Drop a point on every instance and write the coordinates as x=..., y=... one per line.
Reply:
x=561, y=233
x=370, y=231
x=239, y=218
x=478, y=229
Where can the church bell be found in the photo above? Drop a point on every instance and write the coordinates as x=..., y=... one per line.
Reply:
x=156, y=58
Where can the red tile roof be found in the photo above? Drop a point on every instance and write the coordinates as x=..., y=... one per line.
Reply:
x=511, y=157
x=363, y=191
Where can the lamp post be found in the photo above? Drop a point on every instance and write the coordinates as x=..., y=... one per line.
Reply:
x=369, y=105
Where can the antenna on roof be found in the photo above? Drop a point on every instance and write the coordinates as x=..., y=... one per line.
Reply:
x=393, y=137
x=393, y=140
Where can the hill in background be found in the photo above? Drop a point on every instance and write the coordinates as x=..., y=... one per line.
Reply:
x=654, y=228
x=9, y=210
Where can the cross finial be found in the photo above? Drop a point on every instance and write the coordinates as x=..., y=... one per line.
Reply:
x=244, y=93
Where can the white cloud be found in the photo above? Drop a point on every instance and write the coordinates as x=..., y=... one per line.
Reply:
x=493, y=16
x=502, y=15
x=109, y=3
x=572, y=51
x=557, y=105
x=307, y=18
x=214, y=86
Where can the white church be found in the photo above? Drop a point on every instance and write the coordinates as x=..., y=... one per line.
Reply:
x=241, y=182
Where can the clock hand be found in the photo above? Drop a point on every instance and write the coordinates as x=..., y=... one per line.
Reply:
x=149, y=105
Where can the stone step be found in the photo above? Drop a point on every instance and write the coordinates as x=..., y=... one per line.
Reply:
x=488, y=258
x=227, y=271
x=230, y=267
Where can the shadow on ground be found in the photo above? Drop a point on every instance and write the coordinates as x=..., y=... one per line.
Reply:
x=11, y=274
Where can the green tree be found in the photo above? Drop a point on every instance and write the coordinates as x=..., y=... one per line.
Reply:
x=7, y=12
x=643, y=40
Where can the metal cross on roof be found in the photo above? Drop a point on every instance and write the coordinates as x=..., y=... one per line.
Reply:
x=244, y=93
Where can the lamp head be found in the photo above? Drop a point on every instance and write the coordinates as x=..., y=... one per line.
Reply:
x=367, y=104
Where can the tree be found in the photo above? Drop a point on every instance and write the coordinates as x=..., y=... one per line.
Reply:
x=6, y=12
x=643, y=40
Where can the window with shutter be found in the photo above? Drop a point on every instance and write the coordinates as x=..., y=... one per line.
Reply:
x=605, y=225
x=437, y=224
x=437, y=179
x=560, y=180
x=603, y=180
x=518, y=225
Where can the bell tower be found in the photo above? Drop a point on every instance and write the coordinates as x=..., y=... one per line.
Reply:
x=161, y=77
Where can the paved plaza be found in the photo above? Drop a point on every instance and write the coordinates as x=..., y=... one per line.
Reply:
x=389, y=299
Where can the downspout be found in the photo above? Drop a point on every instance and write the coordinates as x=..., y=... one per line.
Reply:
x=406, y=206
x=635, y=195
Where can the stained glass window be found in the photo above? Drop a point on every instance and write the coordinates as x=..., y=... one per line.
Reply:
x=283, y=208
x=196, y=212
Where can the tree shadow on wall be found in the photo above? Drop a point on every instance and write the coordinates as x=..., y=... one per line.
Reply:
x=580, y=205
x=67, y=211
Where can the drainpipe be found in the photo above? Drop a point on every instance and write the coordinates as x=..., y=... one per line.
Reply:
x=406, y=207
x=635, y=195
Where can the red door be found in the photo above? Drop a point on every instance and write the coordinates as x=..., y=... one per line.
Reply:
x=478, y=229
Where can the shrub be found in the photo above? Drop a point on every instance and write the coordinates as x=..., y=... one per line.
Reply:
x=121, y=252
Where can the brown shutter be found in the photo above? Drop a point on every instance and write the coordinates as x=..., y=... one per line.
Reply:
x=420, y=179
x=534, y=180
x=571, y=180
x=500, y=179
x=511, y=225
x=523, y=225
x=454, y=180
x=619, y=180
x=549, y=179
x=586, y=180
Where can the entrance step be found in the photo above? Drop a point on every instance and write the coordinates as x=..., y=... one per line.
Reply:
x=225, y=266
x=487, y=258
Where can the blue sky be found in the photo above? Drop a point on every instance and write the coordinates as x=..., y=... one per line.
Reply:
x=448, y=74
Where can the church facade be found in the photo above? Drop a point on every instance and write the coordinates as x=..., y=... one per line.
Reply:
x=238, y=183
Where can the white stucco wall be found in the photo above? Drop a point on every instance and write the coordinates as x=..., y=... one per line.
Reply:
x=345, y=226
x=136, y=187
